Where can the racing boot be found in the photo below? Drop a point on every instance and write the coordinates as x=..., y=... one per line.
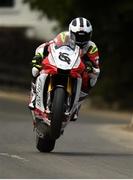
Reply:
x=75, y=115
x=82, y=97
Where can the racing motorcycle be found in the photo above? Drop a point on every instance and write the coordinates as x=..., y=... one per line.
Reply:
x=58, y=89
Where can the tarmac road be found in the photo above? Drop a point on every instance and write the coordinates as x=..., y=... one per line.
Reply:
x=92, y=147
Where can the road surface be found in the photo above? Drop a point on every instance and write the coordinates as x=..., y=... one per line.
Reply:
x=92, y=147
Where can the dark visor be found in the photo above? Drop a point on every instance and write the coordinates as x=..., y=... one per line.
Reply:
x=82, y=37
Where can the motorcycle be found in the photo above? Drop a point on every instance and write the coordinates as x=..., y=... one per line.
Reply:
x=58, y=89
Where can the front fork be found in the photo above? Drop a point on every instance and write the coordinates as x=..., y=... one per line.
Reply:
x=68, y=90
x=50, y=88
x=71, y=105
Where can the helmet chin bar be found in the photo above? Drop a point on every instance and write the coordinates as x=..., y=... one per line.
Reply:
x=81, y=38
x=82, y=44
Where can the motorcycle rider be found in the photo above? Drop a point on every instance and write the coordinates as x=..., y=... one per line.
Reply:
x=80, y=33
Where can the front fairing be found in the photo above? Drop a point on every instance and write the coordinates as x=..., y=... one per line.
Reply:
x=64, y=57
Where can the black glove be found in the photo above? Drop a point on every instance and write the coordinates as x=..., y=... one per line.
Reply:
x=36, y=61
x=89, y=66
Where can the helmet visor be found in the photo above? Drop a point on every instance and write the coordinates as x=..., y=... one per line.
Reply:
x=82, y=38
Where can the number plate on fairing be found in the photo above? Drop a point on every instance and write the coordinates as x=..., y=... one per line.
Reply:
x=65, y=57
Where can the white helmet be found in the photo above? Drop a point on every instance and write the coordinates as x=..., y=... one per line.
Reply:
x=80, y=30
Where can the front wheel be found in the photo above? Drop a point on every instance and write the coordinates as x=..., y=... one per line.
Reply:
x=57, y=112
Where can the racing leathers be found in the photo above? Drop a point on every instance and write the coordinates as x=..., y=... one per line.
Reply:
x=89, y=55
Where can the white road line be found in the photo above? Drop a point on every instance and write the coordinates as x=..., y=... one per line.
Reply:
x=13, y=156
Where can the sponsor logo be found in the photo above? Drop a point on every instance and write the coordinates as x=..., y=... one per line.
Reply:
x=39, y=88
x=64, y=57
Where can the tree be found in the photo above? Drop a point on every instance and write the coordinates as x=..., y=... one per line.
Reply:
x=113, y=25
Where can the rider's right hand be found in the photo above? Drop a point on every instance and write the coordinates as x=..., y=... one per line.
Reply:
x=36, y=61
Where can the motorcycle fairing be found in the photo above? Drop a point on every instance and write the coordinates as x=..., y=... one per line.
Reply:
x=64, y=57
x=51, y=65
x=39, y=91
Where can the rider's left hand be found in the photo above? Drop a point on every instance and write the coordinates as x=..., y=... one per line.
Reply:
x=89, y=67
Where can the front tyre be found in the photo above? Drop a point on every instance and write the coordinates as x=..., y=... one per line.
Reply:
x=57, y=112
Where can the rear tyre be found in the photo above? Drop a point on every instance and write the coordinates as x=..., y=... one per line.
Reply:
x=44, y=143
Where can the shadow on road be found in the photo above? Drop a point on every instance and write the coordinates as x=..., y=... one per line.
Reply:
x=108, y=154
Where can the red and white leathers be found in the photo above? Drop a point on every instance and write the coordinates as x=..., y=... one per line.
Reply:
x=88, y=53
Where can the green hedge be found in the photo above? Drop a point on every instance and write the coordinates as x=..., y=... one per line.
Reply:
x=16, y=52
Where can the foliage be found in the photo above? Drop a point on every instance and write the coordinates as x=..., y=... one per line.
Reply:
x=16, y=52
x=113, y=25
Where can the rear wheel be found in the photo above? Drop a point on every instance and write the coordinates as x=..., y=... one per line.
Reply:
x=46, y=135
x=44, y=142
